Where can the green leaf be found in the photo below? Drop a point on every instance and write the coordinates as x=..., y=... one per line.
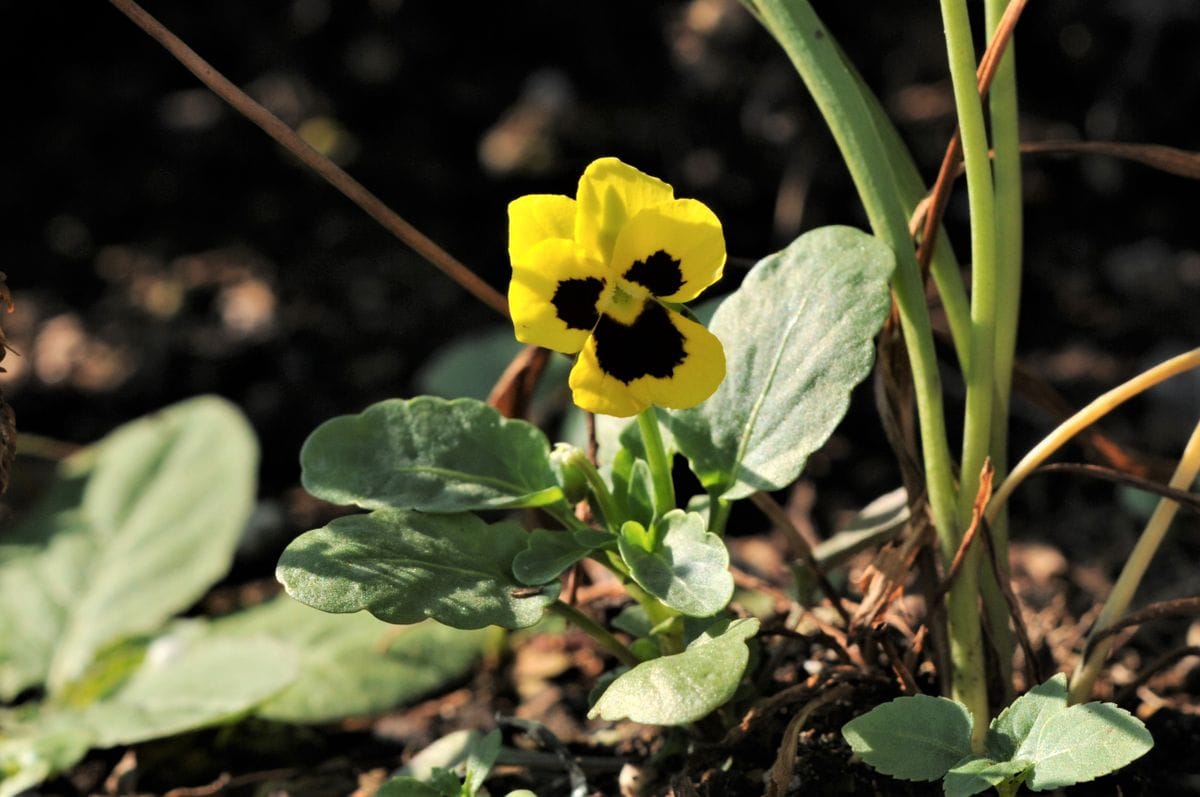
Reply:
x=429, y=454
x=682, y=688
x=480, y=761
x=448, y=752
x=405, y=786
x=1066, y=744
x=189, y=683
x=1081, y=743
x=136, y=529
x=689, y=571
x=548, y=554
x=798, y=338
x=975, y=774
x=1025, y=717
x=352, y=665
x=28, y=759
x=912, y=738
x=406, y=566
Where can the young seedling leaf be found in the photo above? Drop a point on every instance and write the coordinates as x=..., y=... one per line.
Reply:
x=1081, y=743
x=798, y=338
x=480, y=760
x=682, y=688
x=912, y=738
x=640, y=499
x=406, y=566
x=689, y=571
x=431, y=455
x=1022, y=721
x=352, y=664
x=186, y=684
x=136, y=529
x=547, y=555
x=976, y=773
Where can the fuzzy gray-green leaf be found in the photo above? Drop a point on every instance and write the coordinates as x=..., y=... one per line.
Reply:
x=352, y=664
x=976, y=773
x=136, y=528
x=798, y=338
x=405, y=566
x=429, y=454
x=1021, y=722
x=689, y=571
x=683, y=688
x=1083, y=742
x=912, y=738
x=547, y=555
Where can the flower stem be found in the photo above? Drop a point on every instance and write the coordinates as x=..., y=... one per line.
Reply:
x=597, y=632
x=966, y=640
x=1006, y=168
x=656, y=458
x=837, y=93
x=1131, y=574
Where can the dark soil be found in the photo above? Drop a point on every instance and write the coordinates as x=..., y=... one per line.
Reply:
x=160, y=246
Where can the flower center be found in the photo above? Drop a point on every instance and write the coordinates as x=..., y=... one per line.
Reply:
x=623, y=301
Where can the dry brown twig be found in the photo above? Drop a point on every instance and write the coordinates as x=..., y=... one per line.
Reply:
x=274, y=127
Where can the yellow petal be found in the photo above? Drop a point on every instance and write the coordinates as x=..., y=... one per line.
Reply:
x=553, y=294
x=675, y=250
x=595, y=391
x=537, y=217
x=611, y=193
x=696, y=378
x=662, y=358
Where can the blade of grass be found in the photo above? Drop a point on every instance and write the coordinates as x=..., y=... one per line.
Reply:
x=1099, y=646
x=1097, y=409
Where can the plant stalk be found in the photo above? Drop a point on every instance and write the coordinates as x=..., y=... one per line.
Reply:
x=597, y=632
x=835, y=89
x=656, y=458
x=966, y=643
x=1006, y=171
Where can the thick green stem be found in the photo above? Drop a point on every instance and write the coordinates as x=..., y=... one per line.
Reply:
x=597, y=632
x=1131, y=574
x=966, y=644
x=1006, y=170
x=656, y=458
x=718, y=515
x=944, y=267
x=834, y=87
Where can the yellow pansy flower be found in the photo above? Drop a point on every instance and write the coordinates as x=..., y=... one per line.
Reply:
x=594, y=275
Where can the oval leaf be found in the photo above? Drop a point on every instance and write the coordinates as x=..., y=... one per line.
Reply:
x=685, y=687
x=798, y=337
x=405, y=566
x=912, y=738
x=429, y=454
x=1081, y=743
x=352, y=665
x=976, y=774
x=136, y=528
x=547, y=555
x=690, y=570
x=1020, y=724
x=208, y=682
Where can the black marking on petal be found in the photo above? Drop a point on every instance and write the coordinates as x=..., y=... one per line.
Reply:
x=650, y=346
x=660, y=274
x=575, y=302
